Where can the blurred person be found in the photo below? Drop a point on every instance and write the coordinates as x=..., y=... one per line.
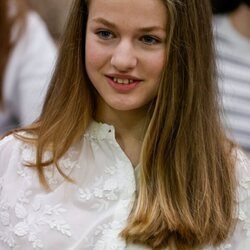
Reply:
x=27, y=54
x=232, y=37
x=54, y=13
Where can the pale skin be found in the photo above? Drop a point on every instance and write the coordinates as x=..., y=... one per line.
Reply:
x=131, y=50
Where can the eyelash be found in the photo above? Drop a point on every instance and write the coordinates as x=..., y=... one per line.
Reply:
x=154, y=40
x=101, y=34
x=107, y=35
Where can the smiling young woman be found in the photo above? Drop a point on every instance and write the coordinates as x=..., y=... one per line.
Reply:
x=129, y=151
x=119, y=57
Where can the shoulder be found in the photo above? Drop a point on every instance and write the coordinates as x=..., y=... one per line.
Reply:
x=8, y=146
x=6, y=143
x=13, y=151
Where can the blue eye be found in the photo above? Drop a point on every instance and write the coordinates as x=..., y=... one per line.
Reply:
x=105, y=34
x=150, y=40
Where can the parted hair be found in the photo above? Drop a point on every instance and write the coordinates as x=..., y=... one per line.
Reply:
x=186, y=193
x=7, y=23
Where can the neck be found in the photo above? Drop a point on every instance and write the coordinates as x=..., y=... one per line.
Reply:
x=130, y=127
x=240, y=19
x=132, y=122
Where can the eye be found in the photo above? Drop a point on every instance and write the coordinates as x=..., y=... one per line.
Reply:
x=105, y=34
x=150, y=40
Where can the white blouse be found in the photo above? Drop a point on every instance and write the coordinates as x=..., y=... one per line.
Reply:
x=90, y=213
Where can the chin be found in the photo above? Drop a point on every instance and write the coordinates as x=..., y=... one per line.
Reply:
x=123, y=106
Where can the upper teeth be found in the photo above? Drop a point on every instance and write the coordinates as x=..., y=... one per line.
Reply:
x=123, y=81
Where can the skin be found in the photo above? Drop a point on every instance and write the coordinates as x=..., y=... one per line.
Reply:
x=240, y=19
x=126, y=48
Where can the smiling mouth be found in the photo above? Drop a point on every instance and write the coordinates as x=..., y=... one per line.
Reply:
x=123, y=81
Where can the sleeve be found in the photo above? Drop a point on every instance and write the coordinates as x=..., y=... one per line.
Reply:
x=240, y=239
x=37, y=55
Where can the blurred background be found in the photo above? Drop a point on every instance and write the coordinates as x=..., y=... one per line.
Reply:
x=232, y=41
x=27, y=56
x=54, y=13
x=30, y=34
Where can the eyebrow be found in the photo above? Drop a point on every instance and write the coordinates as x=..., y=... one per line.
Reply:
x=111, y=25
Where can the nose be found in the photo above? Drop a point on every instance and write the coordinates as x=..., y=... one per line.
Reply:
x=124, y=57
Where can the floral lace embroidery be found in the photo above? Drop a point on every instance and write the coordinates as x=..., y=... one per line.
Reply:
x=29, y=216
x=29, y=221
x=104, y=190
x=243, y=192
x=66, y=163
x=118, y=180
x=107, y=232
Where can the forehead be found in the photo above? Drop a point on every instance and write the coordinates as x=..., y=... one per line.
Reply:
x=130, y=12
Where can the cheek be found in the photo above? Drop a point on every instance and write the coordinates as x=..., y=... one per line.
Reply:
x=91, y=55
x=95, y=55
x=156, y=65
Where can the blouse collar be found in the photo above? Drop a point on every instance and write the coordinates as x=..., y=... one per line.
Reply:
x=100, y=131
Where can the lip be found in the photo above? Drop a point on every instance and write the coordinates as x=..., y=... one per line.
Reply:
x=123, y=87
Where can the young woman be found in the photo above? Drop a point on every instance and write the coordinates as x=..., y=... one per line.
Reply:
x=128, y=152
x=27, y=55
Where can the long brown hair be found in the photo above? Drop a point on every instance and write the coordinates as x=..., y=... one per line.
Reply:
x=6, y=25
x=186, y=191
